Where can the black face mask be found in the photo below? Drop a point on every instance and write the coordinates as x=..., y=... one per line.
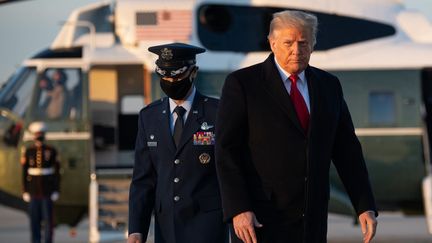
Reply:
x=176, y=90
x=40, y=138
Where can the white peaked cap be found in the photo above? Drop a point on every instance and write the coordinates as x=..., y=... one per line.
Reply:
x=37, y=127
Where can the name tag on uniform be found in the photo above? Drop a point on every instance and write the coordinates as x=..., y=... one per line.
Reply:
x=152, y=144
x=204, y=138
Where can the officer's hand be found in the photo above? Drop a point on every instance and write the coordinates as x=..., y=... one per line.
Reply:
x=135, y=238
x=54, y=196
x=244, y=224
x=26, y=197
x=368, y=224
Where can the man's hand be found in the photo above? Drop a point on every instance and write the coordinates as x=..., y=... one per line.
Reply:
x=26, y=197
x=244, y=224
x=135, y=238
x=368, y=224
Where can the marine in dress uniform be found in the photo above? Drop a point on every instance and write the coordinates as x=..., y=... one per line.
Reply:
x=40, y=183
x=174, y=173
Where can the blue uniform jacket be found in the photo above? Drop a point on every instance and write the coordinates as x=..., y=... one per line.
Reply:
x=179, y=184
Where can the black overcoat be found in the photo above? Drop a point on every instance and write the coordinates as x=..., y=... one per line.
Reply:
x=267, y=164
x=179, y=184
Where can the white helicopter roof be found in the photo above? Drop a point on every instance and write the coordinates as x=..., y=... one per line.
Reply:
x=409, y=47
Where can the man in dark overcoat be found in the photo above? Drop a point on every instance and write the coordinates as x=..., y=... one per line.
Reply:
x=174, y=173
x=280, y=124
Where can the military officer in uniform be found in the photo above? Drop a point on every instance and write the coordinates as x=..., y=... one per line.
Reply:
x=40, y=182
x=174, y=173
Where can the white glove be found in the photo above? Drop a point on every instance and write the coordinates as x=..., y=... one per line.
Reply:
x=54, y=196
x=26, y=197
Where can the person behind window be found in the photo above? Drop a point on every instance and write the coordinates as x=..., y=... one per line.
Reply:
x=57, y=96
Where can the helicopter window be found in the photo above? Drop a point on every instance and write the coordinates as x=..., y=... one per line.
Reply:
x=99, y=17
x=245, y=28
x=216, y=18
x=382, y=108
x=144, y=18
x=59, y=94
x=16, y=93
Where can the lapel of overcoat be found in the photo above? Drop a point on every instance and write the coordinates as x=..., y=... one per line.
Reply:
x=193, y=121
x=276, y=89
x=164, y=121
x=314, y=92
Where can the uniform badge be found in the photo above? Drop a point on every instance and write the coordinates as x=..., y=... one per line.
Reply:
x=152, y=137
x=204, y=158
x=166, y=54
x=205, y=126
x=152, y=144
x=204, y=138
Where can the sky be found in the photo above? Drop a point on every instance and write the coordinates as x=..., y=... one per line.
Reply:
x=26, y=27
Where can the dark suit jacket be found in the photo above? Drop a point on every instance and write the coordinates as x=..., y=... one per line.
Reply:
x=162, y=172
x=267, y=164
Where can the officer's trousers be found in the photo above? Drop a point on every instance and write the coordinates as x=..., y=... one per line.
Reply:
x=41, y=212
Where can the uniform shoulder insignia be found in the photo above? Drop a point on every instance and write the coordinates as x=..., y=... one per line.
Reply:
x=153, y=104
x=211, y=101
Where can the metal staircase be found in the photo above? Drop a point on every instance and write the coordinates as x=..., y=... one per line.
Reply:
x=108, y=206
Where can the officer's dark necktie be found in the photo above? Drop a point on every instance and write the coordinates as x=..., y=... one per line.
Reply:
x=299, y=103
x=178, y=125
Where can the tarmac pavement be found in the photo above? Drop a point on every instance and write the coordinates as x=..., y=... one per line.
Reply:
x=392, y=228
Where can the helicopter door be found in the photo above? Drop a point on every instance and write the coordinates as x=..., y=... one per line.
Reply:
x=103, y=104
x=427, y=121
x=116, y=96
x=131, y=101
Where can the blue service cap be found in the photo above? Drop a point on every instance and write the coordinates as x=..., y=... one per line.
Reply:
x=175, y=58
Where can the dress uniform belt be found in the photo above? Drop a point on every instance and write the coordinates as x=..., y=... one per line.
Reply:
x=40, y=171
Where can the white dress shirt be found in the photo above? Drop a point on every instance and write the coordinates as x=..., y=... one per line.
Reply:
x=301, y=83
x=187, y=105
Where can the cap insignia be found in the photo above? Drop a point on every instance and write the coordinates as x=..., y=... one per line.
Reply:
x=166, y=54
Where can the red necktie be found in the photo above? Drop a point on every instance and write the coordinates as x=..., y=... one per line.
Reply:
x=299, y=103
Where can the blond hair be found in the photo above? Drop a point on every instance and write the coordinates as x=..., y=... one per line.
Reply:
x=295, y=19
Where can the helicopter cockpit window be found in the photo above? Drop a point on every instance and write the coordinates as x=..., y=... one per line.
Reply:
x=59, y=94
x=15, y=98
x=16, y=93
